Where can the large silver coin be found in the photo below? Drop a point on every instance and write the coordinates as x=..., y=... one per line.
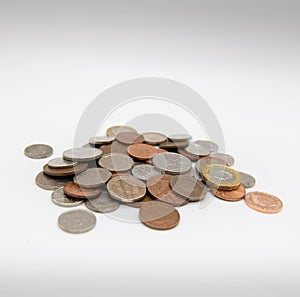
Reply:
x=225, y=157
x=154, y=137
x=210, y=145
x=172, y=163
x=61, y=163
x=82, y=154
x=103, y=203
x=92, y=177
x=144, y=171
x=116, y=162
x=197, y=150
x=38, y=151
x=248, y=181
x=101, y=140
x=77, y=221
x=50, y=183
x=180, y=137
x=59, y=198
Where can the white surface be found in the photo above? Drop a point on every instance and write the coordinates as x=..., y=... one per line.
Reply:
x=244, y=60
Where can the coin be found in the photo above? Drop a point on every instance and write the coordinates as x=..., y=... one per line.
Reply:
x=121, y=173
x=203, y=162
x=38, y=151
x=59, y=198
x=101, y=140
x=225, y=157
x=92, y=177
x=172, y=145
x=210, y=145
x=139, y=204
x=50, y=183
x=172, y=163
x=126, y=188
x=73, y=190
x=159, y=187
x=82, y=154
x=116, y=162
x=141, y=151
x=61, y=163
x=113, y=131
x=129, y=137
x=180, y=137
x=263, y=202
x=248, y=181
x=144, y=171
x=103, y=203
x=115, y=147
x=197, y=150
x=159, y=216
x=80, y=167
x=221, y=177
x=188, y=187
x=192, y=157
x=233, y=195
x=154, y=138
x=77, y=221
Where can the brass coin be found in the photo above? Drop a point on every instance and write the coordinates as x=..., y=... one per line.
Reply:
x=82, y=154
x=92, y=177
x=113, y=131
x=154, y=138
x=50, y=183
x=73, y=190
x=38, y=151
x=232, y=195
x=80, y=167
x=116, y=162
x=129, y=138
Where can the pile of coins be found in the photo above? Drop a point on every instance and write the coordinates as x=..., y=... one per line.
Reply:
x=149, y=171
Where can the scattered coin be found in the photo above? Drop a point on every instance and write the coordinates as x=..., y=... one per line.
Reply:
x=77, y=221
x=263, y=202
x=50, y=183
x=197, y=150
x=154, y=138
x=210, y=145
x=180, y=137
x=129, y=138
x=98, y=140
x=232, y=195
x=80, y=167
x=203, y=162
x=225, y=157
x=144, y=171
x=141, y=151
x=73, y=190
x=248, y=181
x=82, y=154
x=113, y=131
x=92, y=177
x=59, y=198
x=38, y=151
x=139, y=204
x=115, y=147
x=172, y=145
x=116, y=162
x=192, y=157
x=103, y=203
x=61, y=163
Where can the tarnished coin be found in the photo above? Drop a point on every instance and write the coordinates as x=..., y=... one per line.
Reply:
x=180, y=137
x=248, y=181
x=172, y=145
x=139, y=204
x=104, y=203
x=232, y=195
x=98, y=140
x=82, y=154
x=188, y=187
x=263, y=202
x=61, y=163
x=80, y=167
x=126, y=188
x=210, y=145
x=144, y=171
x=141, y=151
x=73, y=190
x=192, y=157
x=154, y=138
x=203, y=162
x=38, y=151
x=77, y=221
x=129, y=137
x=113, y=131
x=50, y=183
x=92, y=177
x=115, y=147
x=172, y=163
x=221, y=177
x=225, y=157
x=59, y=198
x=197, y=150
x=116, y=162
x=158, y=215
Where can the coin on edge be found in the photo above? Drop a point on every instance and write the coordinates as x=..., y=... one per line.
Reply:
x=103, y=203
x=80, y=167
x=248, y=181
x=180, y=137
x=92, y=177
x=231, y=195
x=50, y=183
x=38, y=151
x=73, y=190
x=59, y=198
x=116, y=162
x=154, y=138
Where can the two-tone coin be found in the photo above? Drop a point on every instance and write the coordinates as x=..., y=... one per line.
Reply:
x=38, y=151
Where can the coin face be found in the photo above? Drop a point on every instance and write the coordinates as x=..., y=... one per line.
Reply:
x=115, y=147
x=38, y=151
x=59, y=198
x=232, y=195
x=248, y=181
x=188, y=187
x=80, y=167
x=98, y=140
x=116, y=162
x=61, y=163
x=225, y=157
x=139, y=204
x=172, y=163
x=154, y=138
x=172, y=145
x=73, y=190
x=50, y=183
x=82, y=154
x=210, y=145
x=203, y=162
x=103, y=203
x=126, y=188
x=141, y=151
x=113, y=131
x=144, y=171
x=263, y=202
x=180, y=137
x=129, y=138
x=197, y=150
x=77, y=221
x=159, y=216
x=92, y=177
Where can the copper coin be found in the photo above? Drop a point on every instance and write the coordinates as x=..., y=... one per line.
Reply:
x=225, y=157
x=159, y=188
x=50, y=183
x=141, y=151
x=140, y=203
x=172, y=145
x=180, y=137
x=263, y=202
x=92, y=177
x=126, y=188
x=129, y=137
x=192, y=157
x=38, y=151
x=233, y=195
x=113, y=131
x=159, y=216
x=203, y=162
x=80, y=167
x=73, y=190
x=116, y=162
x=115, y=147
x=82, y=154
x=210, y=145
x=154, y=138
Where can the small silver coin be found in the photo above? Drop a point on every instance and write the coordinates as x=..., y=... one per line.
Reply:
x=210, y=145
x=99, y=140
x=92, y=177
x=116, y=162
x=180, y=137
x=103, y=203
x=82, y=154
x=59, y=198
x=248, y=181
x=77, y=221
x=154, y=138
x=38, y=151
x=225, y=157
x=197, y=150
x=88, y=145
x=144, y=171
x=61, y=163
x=50, y=183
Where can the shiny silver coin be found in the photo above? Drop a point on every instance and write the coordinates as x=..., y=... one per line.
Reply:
x=248, y=181
x=59, y=198
x=98, y=140
x=144, y=171
x=92, y=177
x=116, y=162
x=154, y=138
x=61, y=163
x=172, y=163
x=180, y=137
x=197, y=150
x=82, y=154
x=38, y=151
x=229, y=160
x=77, y=221
x=210, y=145
x=50, y=183
x=103, y=203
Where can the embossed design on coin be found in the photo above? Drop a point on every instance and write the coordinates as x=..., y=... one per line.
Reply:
x=61, y=163
x=73, y=190
x=192, y=157
x=116, y=162
x=144, y=171
x=77, y=221
x=203, y=162
x=154, y=138
x=82, y=154
x=248, y=181
x=38, y=151
x=180, y=137
x=59, y=198
x=141, y=151
x=197, y=150
x=129, y=137
x=50, y=183
x=210, y=145
x=225, y=157
x=232, y=195
x=113, y=131
x=104, y=203
x=92, y=177
x=80, y=167
x=98, y=140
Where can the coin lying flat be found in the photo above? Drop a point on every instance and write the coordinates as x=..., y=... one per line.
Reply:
x=248, y=181
x=172, y=145
x=61, y=163
x=77, y=221
x=59, y=198
x=92, y=177
x=80, y=167
x=263, y=202
x=140, y=203
x=38, y=151
x=192, y=157
x=154, y=138
x=50, y=183
x=180, y=137
x=210, y=145
x=129, y=138
x=225, y=157
x=98, y=140
x=103, y=203
x=113, y=131
x=116, y=162
x=232, y=195
x=144, y=171
x=159, y=216
x=82, y=154
x=197, y=150
x=73, y=190
x=203, y=162
x=115, y=147
x=141, y=151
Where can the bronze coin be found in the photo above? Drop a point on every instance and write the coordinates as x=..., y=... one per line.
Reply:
x=233, y=195
x=203, y=162
x=140, y=203
x=116, y=162
x=263, y=202
x=191, y=156
x=159, y=188
x=141, y=151
x=80, y=167
x=129, y=137
x=50, y=183
x=92, y=177
x=154, y=138
x=73, y=190
x=172, y=145
x=159, y=215
x=115, y=147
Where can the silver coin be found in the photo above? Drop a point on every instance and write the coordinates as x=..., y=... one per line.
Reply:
x=116, y=162
x=225, y=157
x=197, y=150
x=248, y=181
x=101, y=140
x=144, y=171
x=92, y=177
x=154, y=137
x=61, y=163
x=82, y=154
x=59, y=198
x=203, y=162
x=50, y=183
x=38, y=151
x=88, y=145
x=172, y=163
x=77, y=221
x=180, y=137
x=103, y=203
x=210, y=145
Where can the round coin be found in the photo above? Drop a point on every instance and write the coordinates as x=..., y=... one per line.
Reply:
x=92, y=177
x=103, y=203
x=38, y=151
x=139, y=204
x=248, y=181
x=98, y=140
x=59, y=198
x=73, y=190
x=77, y=221
x=113, y=131
x=141, y=151
x=192, y=157
x=82, y=154
x=80, y=167
x=197, y=150
x=144, y=171
x=180, y=137
x=225, y=157
x=129, y=137
x=115, y=147
x=210, y=145
x=172, y=145
x=116, y=162
x=203, y=162
x=50, y=183
x=154, y=138
x=233, y=195
x=61, y=163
